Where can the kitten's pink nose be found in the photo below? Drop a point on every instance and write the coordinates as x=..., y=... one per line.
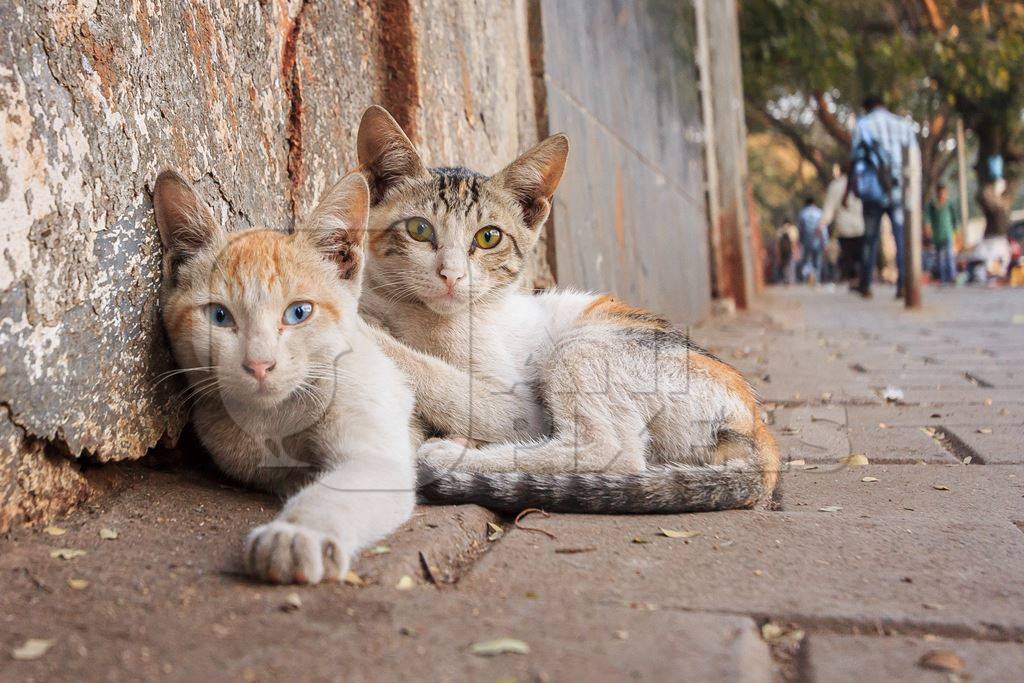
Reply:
x=450, y=276
x=258, y=368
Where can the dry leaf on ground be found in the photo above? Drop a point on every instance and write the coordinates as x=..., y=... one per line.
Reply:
x=868, y=479
x=672, y=533
x=942, y=660
x=33, y=648
x=66, y=553
x=78, y=584
x=108, y=534
x=353, y=579
x=500, y=646
x=940, y=487
x=984, y=430
x=856, y=460
x=830, y=508
x=379, y=550
x=405, y=583
x=54, y=530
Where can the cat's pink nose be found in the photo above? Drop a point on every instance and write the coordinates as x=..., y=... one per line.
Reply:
x=258, y=368
x=450, y=277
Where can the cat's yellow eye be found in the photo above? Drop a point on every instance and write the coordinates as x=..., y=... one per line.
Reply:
x=487, y=238
x=419, y=229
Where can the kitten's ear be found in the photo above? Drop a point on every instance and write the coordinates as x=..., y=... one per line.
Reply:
x=338, y=224
x=385, y=153
x=185, y=222
x=533, y=177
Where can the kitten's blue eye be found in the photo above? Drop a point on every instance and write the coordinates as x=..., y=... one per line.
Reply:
x=219, y=315
x=297, y=312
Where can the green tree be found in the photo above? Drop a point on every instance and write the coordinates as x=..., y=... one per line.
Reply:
x=977, y=59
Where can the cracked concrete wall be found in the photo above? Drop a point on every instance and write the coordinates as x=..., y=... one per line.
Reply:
x=257, y=103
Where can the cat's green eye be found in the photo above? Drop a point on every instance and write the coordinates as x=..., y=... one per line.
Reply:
x=487, y=238
x=419, y=229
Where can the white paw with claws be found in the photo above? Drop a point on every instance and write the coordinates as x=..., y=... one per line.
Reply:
x=444, y=454
x=282, y=552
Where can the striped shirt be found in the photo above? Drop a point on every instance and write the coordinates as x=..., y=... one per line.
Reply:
x=893, y=133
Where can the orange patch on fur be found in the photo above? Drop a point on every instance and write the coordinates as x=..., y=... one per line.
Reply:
x=609, y=309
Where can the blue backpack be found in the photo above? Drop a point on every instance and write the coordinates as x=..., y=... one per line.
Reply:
x=873, y=180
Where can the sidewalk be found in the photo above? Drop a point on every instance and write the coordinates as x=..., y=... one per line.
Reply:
x=863, y=572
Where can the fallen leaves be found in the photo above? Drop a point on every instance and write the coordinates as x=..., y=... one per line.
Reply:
x=54, y=530
x=575, y=551
x=405, y=583
x=500, y=646
x=108, y=534
x=856, y=460
x=66, y=553
x=830, y=508
x=984, y=430
x=33, y=648
x=353, y=579
x=496, y=531
x=78, y=584
x=940, y=487
x=639, y=539
x=942, y=660
x=869, y=480
x=776, y=634
x=672, y=533
x=379, y=550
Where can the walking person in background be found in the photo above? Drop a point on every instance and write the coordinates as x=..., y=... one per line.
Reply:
x=811, y=241
x=884, y=145
x=785, y=249
x=942, y=219
x=844, y=213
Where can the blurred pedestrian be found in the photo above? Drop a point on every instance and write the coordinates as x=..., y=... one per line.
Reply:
x=844, y=213
x=883, y=146
x=785, y=249
x=942, y=220
x=811, y=240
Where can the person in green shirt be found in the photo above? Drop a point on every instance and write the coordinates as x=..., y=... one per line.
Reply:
x=943, y=220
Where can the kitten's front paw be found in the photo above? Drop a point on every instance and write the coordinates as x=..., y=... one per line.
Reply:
x=443, y=454
x=282, y=552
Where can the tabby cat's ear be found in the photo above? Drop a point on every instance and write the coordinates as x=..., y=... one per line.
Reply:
x=533, y=177
x=338, y=224
x=385, y=153
x=185, y=222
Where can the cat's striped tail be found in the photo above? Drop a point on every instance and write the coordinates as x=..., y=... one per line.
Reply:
x=660, y=489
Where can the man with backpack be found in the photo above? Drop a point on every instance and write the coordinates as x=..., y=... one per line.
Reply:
x=883, y=146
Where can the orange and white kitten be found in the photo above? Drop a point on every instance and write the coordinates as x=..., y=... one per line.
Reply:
x=291, y=392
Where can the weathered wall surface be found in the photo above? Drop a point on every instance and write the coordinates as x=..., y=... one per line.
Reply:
x=621, y=80
x=257, y=103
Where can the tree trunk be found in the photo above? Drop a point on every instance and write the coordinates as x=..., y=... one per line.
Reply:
x=996, y=206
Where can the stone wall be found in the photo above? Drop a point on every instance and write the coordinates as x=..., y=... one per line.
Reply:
x=257, y=103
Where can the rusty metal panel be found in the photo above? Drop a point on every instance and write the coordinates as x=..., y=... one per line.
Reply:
x=630, y=215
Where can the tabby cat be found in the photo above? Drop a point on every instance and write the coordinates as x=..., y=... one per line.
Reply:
x=563, y=400
x=291, y=392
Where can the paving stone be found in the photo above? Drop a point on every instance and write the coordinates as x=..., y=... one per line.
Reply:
x=975, y=491
x=998, y=444
x=862, y=658
x=895, y=415
x=963, y=396
x=811, y=433
x=929, y=572
x=898, y=445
